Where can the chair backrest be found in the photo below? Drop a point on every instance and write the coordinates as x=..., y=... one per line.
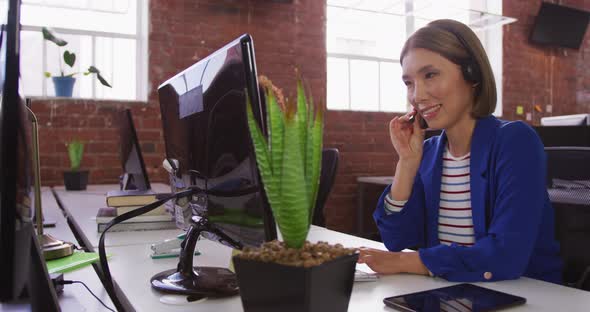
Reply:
x=327, y=176
x=568, y=182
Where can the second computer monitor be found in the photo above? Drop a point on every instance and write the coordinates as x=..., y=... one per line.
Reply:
x=135, y=176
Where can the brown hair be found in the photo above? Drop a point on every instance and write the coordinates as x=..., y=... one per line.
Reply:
x=452, y=39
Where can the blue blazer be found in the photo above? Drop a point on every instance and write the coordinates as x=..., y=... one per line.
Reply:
x=512, y=215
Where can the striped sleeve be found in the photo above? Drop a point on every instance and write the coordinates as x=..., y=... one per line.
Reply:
x=393, y=206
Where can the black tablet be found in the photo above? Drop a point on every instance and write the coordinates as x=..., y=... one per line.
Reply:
x=460, y=297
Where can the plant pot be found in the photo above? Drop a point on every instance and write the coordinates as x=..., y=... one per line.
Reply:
x=76, y=180
x=266, y=286
x=64, y=86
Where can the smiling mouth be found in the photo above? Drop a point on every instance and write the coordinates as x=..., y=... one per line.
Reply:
x=430, y=109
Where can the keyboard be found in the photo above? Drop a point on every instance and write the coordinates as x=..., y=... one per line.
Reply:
x=360, y=276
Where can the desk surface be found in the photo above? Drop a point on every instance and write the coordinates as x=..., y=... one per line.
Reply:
x=74, y=297
x=82, y=206
x=132, y=269
x=385, y=180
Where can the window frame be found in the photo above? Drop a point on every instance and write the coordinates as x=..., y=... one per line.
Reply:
x=487, y=38
x=355, y=57
x=141, y=52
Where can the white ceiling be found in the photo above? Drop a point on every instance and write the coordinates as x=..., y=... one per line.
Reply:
x=477, y=14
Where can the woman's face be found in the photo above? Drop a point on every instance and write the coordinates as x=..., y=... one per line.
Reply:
x=436, y=88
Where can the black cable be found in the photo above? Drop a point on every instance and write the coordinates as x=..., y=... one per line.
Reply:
x=104, y=265
x=67, y=282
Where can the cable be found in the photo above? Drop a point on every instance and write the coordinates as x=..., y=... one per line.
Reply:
x=67, y=282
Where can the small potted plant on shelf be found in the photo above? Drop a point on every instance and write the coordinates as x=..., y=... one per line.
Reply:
x=64, y=83
x=292, y=275
x=75, y=179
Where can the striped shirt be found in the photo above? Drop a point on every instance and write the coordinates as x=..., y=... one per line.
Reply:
x=455, y=221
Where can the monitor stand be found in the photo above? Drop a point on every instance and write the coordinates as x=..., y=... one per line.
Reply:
x=198, y=282
x=41, y=292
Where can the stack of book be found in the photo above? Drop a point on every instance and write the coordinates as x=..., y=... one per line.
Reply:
x=120, y=202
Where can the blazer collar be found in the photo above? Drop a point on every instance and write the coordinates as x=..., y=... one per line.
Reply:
x=483, y=134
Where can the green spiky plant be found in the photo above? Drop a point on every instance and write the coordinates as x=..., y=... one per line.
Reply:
x=289, y=161
x=69, y=58
x=75, y=153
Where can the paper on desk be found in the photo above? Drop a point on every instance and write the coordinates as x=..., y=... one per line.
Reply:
x=75, y=261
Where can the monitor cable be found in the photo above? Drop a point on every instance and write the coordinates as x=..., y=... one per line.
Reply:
x=108, y=280
x=68, y=282
x=193, y=190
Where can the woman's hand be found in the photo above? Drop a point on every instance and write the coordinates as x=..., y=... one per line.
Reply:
x=407, y=138
x=387, y=262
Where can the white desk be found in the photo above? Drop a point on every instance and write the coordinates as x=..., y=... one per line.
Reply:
x=82, y=206
x=132, y=269
x=74, y=297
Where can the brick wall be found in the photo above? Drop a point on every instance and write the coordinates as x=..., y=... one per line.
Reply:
x=286, y=35
x=543, y=75
x=365, y=150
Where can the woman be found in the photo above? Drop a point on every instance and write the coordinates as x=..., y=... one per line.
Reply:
x=473, y=200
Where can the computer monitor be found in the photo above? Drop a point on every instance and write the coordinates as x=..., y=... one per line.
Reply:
x=23, y=275
x=135, y=176
x=206, y=137
x=559, y=25
x=567, y=120
x=564, y=135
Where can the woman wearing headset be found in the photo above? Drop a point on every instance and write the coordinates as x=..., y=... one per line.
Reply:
x=473, y=200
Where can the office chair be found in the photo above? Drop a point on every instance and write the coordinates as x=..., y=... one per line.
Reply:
x=327, y=176
x=568, y=183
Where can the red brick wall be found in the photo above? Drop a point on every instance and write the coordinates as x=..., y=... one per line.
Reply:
x=543, y=75
x=286, y=35
x=365, y=150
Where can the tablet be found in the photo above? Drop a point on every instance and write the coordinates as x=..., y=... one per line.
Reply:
x=460, y=297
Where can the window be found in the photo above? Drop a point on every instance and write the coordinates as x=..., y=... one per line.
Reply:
x=109, y=34
x=364, y=39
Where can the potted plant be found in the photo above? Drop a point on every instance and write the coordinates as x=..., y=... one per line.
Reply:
x=75, y=179
x=293, y=275
x=64, y=83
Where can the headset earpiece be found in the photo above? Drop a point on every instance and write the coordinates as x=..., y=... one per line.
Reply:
x=470, y=68
x=470, y=72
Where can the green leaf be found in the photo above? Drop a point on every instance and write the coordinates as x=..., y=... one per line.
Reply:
x=95, y=70
x=314, y=150
x=49, y=36
x=103, y=81
x=75, y=153
x=47, y=74
x=302, y=117
x=69, y=58
x=294, y=192
x=276, y=126
x=263, y=159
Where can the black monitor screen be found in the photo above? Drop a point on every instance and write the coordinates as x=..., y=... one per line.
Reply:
x=206, y=132
x=135, y=177
x=559, y=25
x=564, y=135
x=16, y=175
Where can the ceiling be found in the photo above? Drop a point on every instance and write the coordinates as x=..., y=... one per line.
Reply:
x=477, y=14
